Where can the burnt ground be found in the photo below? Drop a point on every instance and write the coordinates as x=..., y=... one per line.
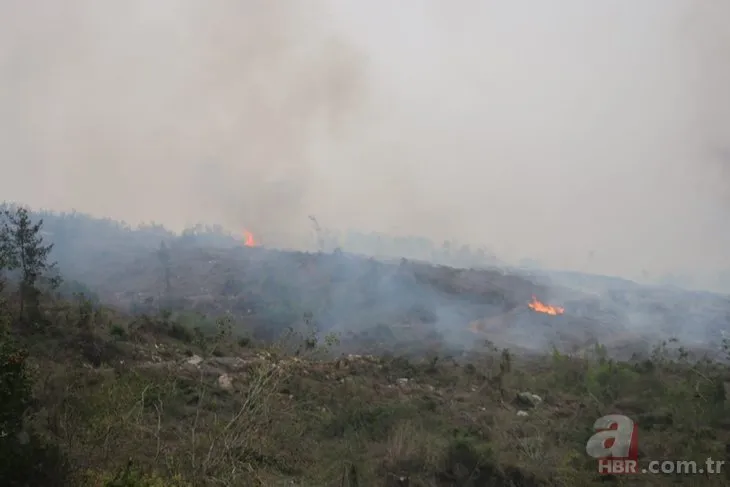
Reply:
x=369, y=302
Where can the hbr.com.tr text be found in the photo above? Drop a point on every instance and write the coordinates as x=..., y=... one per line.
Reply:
x=686, y=467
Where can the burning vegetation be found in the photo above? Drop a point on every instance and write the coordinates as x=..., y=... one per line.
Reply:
x=248, y=239
x=513, y=317
x=540, y=307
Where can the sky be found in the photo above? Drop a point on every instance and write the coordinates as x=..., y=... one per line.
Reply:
x=590, y=136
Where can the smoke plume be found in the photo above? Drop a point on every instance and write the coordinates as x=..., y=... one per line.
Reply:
x=586, y=135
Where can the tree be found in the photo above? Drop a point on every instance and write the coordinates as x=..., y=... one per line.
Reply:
x=164, y=255
x=27, y=253
x=6, y=251
x=25, y=457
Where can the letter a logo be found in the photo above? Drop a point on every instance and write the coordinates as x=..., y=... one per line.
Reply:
x=616, y=437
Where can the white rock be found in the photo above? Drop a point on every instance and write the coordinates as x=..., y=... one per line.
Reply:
x=225, y=382
x=194, y=360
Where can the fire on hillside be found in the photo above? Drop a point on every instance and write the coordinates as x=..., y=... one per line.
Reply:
x=515, y=316
x=248, y=239
x=540, y=307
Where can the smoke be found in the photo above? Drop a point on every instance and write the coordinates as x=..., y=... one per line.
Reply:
x=174, y=111
x=586, y=135
x=710, y=73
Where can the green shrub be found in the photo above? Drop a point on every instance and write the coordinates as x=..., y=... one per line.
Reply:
x=15, y=386
x=25, y=459
x=180, y=332
x=373, y=421
x=28, y=461
x=118, y=331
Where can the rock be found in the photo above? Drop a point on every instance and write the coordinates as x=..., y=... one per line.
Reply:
x=402, y=381
x=522, y=413
x=528, y=399
x=225, y=382
x=194, y=360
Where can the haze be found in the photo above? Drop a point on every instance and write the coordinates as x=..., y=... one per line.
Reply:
x=586, y=135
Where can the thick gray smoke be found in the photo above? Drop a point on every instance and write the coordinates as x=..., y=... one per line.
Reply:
x=586, y=135
x=174, y=111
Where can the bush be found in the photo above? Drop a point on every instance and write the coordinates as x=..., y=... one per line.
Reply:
x=28, y=461
x=15, y=386
x=180, y=332
x=373, y=421
x=118, y=331
x=25, y=459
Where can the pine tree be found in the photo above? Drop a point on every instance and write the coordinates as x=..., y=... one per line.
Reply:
x=28, y=254
x=6, y=251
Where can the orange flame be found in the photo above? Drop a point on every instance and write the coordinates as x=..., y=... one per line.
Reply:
x=544, y=308
x=248, y=239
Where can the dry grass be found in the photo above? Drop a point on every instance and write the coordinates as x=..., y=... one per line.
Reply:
x=294, y=417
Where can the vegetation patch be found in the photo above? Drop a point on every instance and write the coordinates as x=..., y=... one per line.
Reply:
x=174, y=398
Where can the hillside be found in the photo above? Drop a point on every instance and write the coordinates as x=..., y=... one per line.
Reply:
x=353, y=295
x=180, y=365
x=213, y=272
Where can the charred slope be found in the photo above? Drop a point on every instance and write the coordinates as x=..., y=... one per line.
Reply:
x=341, y=291
x=359, y=296
x=362, y=297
